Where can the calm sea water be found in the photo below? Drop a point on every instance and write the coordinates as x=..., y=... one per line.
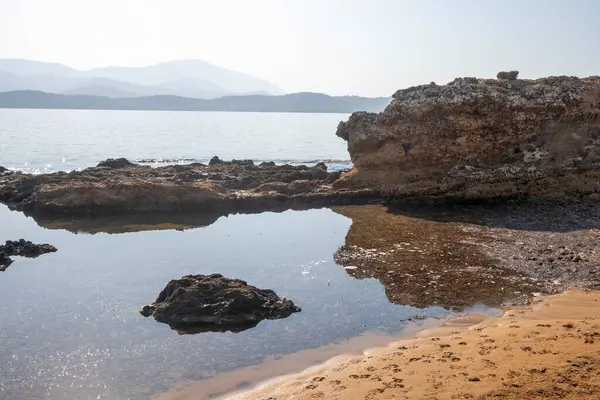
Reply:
x=51, y=140
x=69, y=321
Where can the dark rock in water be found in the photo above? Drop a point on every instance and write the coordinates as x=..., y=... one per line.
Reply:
x=321, y=165
x=267, y=164
x=213, y=303
x=2, y=169
x=25, y=248
x=116, y=163
x=215, y=160
x=5, y=262
x=246, y=163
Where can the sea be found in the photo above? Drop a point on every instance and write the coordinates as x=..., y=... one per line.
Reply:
x=39, y=141
x=70, y=326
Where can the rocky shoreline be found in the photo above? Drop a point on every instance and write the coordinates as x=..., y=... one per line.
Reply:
x=459, y=255
x=472, y=139
x=118, y=187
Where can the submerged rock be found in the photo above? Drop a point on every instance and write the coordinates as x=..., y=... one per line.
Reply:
x=480, y=139
x=116, y=163
x=213, y=303
x=25, y=248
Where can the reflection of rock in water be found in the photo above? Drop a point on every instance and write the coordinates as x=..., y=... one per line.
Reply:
x=213, y=303
x=129, y=223
x=423, y=262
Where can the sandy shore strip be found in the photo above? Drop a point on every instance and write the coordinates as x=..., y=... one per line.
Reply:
x=550, y=350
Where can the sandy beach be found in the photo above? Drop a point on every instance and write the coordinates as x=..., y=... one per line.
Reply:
x=550, y=350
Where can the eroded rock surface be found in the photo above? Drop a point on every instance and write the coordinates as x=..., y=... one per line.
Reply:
x=459, y=255
x=422, y=262
x=479, y=139
x=119, y=187
x=213, y=303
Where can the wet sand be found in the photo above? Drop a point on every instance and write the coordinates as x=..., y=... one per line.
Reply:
x=224, y=384
x=550, y=350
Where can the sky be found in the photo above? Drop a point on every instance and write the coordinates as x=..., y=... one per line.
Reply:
x=362, y=47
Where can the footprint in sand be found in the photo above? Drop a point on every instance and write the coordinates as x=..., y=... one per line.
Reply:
x=318, y=379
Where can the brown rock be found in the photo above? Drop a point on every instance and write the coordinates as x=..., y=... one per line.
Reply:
x=477, y=138
x=221, y=187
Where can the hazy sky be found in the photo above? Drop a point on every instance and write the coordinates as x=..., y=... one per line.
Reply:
x=367, y=47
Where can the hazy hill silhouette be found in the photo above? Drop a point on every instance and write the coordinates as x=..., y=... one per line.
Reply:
x=187, y=78
x=296, y=102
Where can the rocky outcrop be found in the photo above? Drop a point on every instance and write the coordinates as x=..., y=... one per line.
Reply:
x=21, y=248
x=213, y=303
x=25, y=248
x=480, y=138
x=116, y=187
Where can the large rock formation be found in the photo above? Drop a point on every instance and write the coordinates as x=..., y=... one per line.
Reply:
x=213, y=303
x=120, y=187
x=480, y=138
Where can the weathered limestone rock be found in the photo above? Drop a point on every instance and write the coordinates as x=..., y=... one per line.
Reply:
x=116, y=187
x=213, y=303
x=480, y=138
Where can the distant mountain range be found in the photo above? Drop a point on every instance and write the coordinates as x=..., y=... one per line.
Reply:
x=296, y=102
x=186, y=78
x=189, y=85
